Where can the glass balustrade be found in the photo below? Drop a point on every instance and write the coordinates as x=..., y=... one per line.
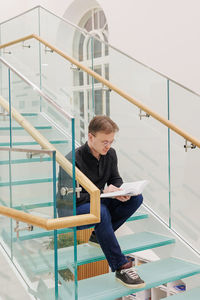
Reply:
x=62, y=81
x=29, y=182
x=54, y=29
x=24, y=56
x=22, y=25
x=25, y=24
x=142, y=147
x=4, y=115
x=40, y=111
x=172, y=173
x=184, y=174
x=4, y=83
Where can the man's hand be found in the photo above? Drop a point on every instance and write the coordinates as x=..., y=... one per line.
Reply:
x=112, y=188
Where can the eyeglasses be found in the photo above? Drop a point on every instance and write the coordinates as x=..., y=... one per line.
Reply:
x=105, y=143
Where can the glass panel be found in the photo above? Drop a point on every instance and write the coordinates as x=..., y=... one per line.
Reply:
x=41, y=113
x=31, y=175
x=28, y=184
x=5, y=197
x=185, y=189
x=67, y=242
x=57, y=78
x=60, y=34
x=50, y=122
x=138, y=81
x=143, y=153
x=20, y=26
x=24, y=98
x=68, y=87
x=55, y=75
x=142, y=147
x=4, y=82
x=4, y=115
x=25, y=55
x=184, y=109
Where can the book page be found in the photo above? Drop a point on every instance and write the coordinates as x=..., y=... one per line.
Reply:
x=128, y=189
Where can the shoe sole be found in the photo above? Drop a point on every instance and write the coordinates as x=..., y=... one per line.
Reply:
x=132, y=286
x=94, y=244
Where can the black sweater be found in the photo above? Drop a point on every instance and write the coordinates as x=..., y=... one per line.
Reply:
x=100, y=172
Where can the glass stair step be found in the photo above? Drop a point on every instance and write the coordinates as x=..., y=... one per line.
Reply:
x=29, y=181
x=153, y=273
x=193, y=294
x=21, y=135
x=128, y=243
x=35, y=170
x=38, y=232
x=28, y=203
x=31, y=204
x=87, y=253
x=21, y=128
x=30, y=143
x=29, y=114
x=37, y=121
x=28, y=235
x=25, y=160
x=140, y=214
x=62, y=145
x=37, y=117
x=107, y=287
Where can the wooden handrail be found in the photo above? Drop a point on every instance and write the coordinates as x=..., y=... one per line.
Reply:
x=105, y=82
x=49, y=224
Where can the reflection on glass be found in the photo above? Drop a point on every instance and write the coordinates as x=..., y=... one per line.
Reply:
x=98, y=102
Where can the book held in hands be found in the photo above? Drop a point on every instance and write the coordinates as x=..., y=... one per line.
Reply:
x=128, y=189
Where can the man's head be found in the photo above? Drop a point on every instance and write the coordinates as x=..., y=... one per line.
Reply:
x=101, y=133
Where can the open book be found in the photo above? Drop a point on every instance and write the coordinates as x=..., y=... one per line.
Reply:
x=128, y=189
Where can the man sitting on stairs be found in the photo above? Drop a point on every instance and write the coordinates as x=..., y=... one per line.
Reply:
x=98, y=161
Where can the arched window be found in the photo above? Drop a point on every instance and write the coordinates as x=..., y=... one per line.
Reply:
x=93, y=54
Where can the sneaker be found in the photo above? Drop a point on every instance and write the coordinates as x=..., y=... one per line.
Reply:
x=129, y=278
x=93, y=240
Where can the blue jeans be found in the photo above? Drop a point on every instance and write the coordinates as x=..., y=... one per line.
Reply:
x=113, y=214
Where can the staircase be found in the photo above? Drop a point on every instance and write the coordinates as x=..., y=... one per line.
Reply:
x=28, y=178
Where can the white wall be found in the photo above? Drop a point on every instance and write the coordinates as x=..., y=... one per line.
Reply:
x=163, y=34
x=11, y=8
